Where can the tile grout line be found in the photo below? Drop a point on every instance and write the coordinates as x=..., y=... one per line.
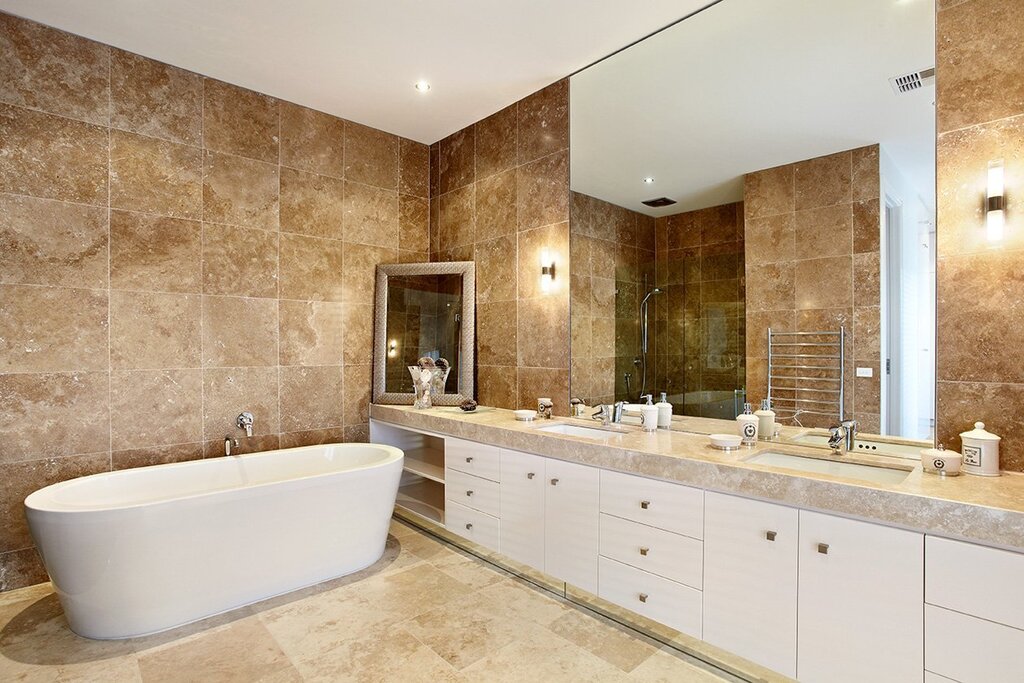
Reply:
x=110, y=368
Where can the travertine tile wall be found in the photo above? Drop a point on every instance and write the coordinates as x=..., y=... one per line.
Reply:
x=980, y=100
x=812, y=262
x=700, y=326
x=612, y=253
x=176, y=250
x=499, y=196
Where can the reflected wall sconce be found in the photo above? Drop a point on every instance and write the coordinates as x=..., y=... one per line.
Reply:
x=392, y=348
x=547, y=271
x=995, y=219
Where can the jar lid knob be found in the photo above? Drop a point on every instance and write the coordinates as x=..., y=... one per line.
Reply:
x=979, y=425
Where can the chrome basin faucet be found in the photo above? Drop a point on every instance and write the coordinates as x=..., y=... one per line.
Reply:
x=609, y=414
x=244, y=421
x=844, y=433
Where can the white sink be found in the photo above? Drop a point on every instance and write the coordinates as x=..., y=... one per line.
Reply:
x=862, y=445
x=575, y=430
x=850, y=470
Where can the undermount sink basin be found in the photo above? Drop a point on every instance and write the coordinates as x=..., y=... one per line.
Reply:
x=877, y=474
x=862, y=445
x=575, y=430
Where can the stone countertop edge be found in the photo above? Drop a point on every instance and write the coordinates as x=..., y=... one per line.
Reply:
x=988, y=510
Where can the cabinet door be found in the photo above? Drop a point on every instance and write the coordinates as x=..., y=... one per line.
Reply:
x=571, y=523
x=750, y=572
x=861, y=601
x=522, y=508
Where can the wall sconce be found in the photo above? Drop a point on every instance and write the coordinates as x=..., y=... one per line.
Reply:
x=995, y=219
x=547, y=271
x=392, y=348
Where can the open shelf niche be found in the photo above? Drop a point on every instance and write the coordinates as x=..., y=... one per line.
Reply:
x=421, y=490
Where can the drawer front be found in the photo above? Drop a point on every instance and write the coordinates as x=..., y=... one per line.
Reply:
x=472, y=458
x=671, y=507
x=522, y=507
x=473, y=492
x=971, y=650
x=669, y=555
x=975, y=580
x=473, y=525
x=666, y=602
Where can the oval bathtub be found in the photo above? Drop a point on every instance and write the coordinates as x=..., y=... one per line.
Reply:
x=138, y=551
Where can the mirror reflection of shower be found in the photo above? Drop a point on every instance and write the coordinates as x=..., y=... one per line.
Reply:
x=644, y=339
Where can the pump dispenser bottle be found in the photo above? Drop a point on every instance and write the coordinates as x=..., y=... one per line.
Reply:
x=747, y=424
x=765, y=420
x=664, y=412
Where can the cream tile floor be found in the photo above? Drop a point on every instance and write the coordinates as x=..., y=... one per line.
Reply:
x=424, y=612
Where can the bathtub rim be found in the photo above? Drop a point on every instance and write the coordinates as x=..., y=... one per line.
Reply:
x=43, y=503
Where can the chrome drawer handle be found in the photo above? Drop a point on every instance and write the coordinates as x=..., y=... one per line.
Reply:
x=469, y=493
x=554, y=482
x=469, y=459
x=823, y=548
x=770, y=535
x=644, y=551
x=469, y=527
x=643, y=597
x=530, y=475
x=645, y=504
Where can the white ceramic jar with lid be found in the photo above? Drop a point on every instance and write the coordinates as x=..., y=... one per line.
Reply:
x=980, y=449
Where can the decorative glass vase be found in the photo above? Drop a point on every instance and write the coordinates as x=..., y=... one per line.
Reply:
x=422, y=381
x=438, y=379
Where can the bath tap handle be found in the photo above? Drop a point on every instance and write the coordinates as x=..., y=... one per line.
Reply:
x=245, y=421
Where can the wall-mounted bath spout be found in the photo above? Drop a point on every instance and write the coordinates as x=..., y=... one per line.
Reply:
x=228, y=443
x=244, y=421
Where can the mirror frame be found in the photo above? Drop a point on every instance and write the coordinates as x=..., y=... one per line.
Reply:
x=467, y=341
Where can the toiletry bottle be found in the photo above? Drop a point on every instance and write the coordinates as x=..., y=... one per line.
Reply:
x=664, y=412
x=747, y=425
x=765, y=420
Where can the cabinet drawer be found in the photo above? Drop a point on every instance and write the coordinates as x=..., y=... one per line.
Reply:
x=472, y=457
x=472, y=524
x=671, y=507
x=667, y=602
x=473, y=492
x=970, y=650
x=669, y=555
x=975, y=580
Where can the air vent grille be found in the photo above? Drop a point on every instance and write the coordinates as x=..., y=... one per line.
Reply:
x=659, y=202
x=912, y=81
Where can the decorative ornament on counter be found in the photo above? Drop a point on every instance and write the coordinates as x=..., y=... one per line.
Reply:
x=421, y=383
x=469, y=405
x=940, y=461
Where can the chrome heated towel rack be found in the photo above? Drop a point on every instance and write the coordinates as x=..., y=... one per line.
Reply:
x=805, y=373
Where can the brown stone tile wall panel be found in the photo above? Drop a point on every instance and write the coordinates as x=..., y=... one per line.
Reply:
x=313, y=437
x=49, y=156
x=311, y=332
x=150, y=330
x=543, y=122
x=497, y=330
x=998, y=404
x=155, y=99
x=312, y=141
x=155, y=455
x=155, y=407
x=456, y=160
x=240, y=121
x=240, y=191
x=496, y=386
x=310, y=268
x=52, y=329
x=356, y=406
x=239, y=332
x=239, y=261
x=413, y=223
x=312, y=204
x=496, y=272
x=44, y=242
x=155, y=253
x=21, y=568
x=228, y=391
x=823, y=181
x=359, y=274
x=496, y=143
x=358, y=339
x=311, y=398
x=541, y=193
x=496, y=206
x=769, y=192
x=413, y=168
x=155, y=176
x=371, y=156
x=371, y=215
x=458, y=218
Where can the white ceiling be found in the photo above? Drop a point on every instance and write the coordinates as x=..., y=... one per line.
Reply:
x=747, y=85
x=360, y=59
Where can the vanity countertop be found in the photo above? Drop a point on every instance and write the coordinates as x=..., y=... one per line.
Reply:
x=987, y=510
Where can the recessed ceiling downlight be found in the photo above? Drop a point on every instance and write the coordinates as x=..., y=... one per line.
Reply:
x=422, y=86
x=648, y=180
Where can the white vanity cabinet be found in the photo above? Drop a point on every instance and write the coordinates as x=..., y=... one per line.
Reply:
x=750, y=579
x=522, y=507
x=571, y=508
x=860, y=601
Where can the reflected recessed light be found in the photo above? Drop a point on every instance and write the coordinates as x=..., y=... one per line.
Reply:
x=422, y=86
x=648, y=180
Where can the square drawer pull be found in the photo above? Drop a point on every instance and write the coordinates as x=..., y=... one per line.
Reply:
x=769, y=535
x=644, y=551
x=469, y=493
x=469, y=459
x=645, y=504
x=530, y=475
x=554, y=482
x=823, y=548
x=469, y=527
x=643, y=597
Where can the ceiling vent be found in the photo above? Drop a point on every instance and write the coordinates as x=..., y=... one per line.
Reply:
x=659, y=202
x=912, y=81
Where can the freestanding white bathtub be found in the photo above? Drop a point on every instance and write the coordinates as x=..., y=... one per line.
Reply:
x=138, y=551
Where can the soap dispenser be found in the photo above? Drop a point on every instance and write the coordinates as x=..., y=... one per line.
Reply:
x=765, y=420
x=747, y=423
x=664, y=412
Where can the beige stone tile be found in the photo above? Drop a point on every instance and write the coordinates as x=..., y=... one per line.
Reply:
x=769, y=192
x=49, y=329
x=312, y=204
x=18, y=479
x=356, y=401
x=668, y=666
x=240, y=191
x=496, y=206
x=543, y=122
x=311, y=332
x=229, y=391
x=542, y=191
x=239, y=332
x=496, y=386
x=456, y=160
x=468, y=570
x=48, y=415
x=604, y=638
x=53, y=157
x=239, y=121
x=978, y=75
x=310, y=398
x=413, y=223
x=371, y=215
x=52, y=243
x=155, y=99
x=155, y=176
x=822, y=232
x=312, y=141
x=155, y=253
x=155, y=408
x=51, y=70
x=358, y=338
x=359, y=276
x=158, y=455
x=239, y=261
x=413, y=168
x=371, y=156
x=311, y=268
x=150, y=330
x=822, y=283
x=823, y=181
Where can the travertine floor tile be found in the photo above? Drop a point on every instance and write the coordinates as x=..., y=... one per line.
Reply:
x=467, y=570
x=606, y=639
x=667, y=667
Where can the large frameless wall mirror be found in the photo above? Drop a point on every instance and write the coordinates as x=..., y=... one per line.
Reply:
x=424, y=310
x=792, y=147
